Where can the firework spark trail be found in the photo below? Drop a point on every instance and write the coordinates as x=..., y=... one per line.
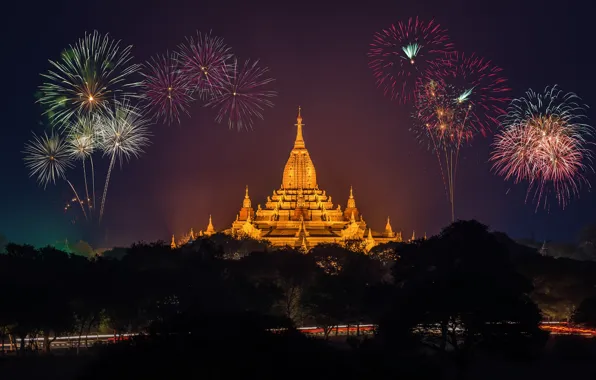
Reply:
x=204, y=63
x=545, y=142
x=81, y=143
x=124, y=134
x=105, y=189
x=401, y=54
x=87, y=78
x=48, y=159
x=166, y=91
x=242, y=97
x=457, y=99
x=92, y=180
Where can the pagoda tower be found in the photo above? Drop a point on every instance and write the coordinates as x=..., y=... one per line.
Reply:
x=210, y=230
x=351, y=207
x=299, y=172
x=246, y=212
x=301, y=215
x=388, y=230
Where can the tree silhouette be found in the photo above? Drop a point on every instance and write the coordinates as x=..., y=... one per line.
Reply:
x=3, y=242
x=463, y=284
x=585, y=314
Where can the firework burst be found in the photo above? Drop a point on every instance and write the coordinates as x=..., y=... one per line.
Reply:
x=167, y=92
x=242, y=97
x=82, y=137
x=475, y=86
x=123, y=134
x=457, y=99
x=47, y=158
x=81, y=144
x=203, y=61
x=87, y=78
x=545, y=142
x=403, y=53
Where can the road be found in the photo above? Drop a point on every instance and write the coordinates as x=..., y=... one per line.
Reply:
x=64, y=342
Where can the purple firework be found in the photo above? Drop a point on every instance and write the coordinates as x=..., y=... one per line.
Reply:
x=402, y=53
x=204, y=61
x=242, y=96
x=167, y=93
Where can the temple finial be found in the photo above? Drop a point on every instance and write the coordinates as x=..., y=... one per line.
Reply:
x=351, y=200
x=246, y=202
x=388, y=229
x=173, y=243
x=299, y=143
x=210, y=230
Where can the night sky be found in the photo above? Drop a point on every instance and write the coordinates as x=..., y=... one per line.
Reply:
x=317, y=53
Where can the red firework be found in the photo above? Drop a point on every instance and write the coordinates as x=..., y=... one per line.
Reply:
x=545, y=142
x=242, y=97
x=204, y=62
x=440, y=120
x=401, y=54
x=475, y=83
x=457, y=98
x=167, y=92
x=550, y=157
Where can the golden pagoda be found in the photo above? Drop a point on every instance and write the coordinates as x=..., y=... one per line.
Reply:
x=301, y=215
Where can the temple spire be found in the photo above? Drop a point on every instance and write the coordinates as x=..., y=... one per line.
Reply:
x=370, y=241
x=388, y=229
x=173, y=243
x=299, y=143
x=210, y=230
x=246, y=202
x=351, y=200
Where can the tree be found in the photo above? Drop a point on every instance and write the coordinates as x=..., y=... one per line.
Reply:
x=116, y=253
x=82, y=248
x=294, y=274
x=463, y=282
x=53, y=312
x=326, y=300
x=585, y=314
x=3, y=242
x=330, y=257
x=587, y=243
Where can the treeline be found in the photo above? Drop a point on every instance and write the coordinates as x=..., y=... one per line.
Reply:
x=583, y=249
x=462, y=290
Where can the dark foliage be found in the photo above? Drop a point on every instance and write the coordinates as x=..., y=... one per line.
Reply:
x=213, y=309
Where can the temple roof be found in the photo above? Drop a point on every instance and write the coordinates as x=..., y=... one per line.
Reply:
x=299, y=172
x=300, y=213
